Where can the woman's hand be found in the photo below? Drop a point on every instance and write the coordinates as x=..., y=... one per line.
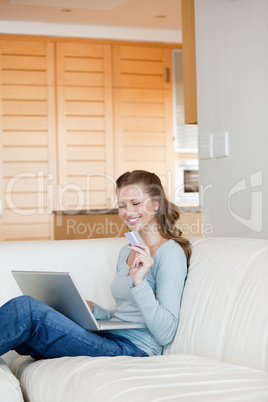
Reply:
x=142, y=263
x=91, y=305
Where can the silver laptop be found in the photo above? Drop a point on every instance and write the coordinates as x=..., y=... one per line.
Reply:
x=59, y=291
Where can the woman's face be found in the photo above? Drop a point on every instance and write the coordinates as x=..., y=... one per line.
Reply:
x=136, y=209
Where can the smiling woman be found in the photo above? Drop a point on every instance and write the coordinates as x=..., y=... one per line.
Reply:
x=143, y=206
x=136, y=208
x=147, y=288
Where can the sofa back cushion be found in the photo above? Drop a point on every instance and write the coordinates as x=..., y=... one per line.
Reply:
x=224, y=311
x=92, y=262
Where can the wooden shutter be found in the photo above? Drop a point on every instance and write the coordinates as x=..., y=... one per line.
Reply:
x=27, y=139
x=85, y=142
x=143, y=109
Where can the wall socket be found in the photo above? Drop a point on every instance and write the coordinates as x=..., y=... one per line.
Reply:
x=216, y=146
x=221, y=145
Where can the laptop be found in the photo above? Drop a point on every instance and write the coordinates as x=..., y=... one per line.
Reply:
x=60, y=291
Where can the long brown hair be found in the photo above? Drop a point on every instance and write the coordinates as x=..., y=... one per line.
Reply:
x=168, y=213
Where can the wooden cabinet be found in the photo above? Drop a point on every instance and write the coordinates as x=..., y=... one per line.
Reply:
x=143, y=109
x=97, y=224
x=84, y=124
x=88, y=225
x=28, y=146
x=75, y=114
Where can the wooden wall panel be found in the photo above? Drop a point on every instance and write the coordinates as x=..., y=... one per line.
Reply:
x=85, y=125
x=27, y=139
x=189, y=61
x=2, y=192
x=143, y=112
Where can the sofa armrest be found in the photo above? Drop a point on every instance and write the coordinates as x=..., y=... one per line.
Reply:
x=9, y=385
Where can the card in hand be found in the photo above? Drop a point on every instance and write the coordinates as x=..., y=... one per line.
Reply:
x=134, y=238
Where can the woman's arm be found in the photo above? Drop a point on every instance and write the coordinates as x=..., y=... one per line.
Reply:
x=161, y=310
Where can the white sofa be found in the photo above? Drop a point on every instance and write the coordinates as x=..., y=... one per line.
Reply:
x=220, y=352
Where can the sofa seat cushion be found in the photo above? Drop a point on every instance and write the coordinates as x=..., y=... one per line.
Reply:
x=157, y=378
x=9, y=385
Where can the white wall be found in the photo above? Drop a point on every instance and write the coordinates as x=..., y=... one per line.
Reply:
x=232, y=90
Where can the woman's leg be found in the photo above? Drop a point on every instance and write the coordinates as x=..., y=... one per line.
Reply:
x=31, y=327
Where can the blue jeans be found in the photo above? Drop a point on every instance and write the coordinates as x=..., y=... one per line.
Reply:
x=32, y=328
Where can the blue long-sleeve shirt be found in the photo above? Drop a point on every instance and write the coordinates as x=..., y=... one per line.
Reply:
x=155, y=301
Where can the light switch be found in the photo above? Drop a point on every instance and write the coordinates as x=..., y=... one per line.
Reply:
x=206, y=146
x=221, y=145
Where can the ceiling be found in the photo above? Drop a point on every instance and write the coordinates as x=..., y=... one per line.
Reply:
x=151, y=14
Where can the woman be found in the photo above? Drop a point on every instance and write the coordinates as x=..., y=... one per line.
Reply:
x=147, y=287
